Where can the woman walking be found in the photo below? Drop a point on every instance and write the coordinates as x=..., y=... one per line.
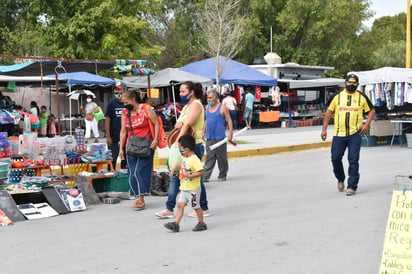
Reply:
x=140, y=168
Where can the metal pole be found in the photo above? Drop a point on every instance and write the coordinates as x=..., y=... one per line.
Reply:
x=58, y=105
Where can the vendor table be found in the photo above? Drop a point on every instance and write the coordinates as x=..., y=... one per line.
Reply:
x=399, y=129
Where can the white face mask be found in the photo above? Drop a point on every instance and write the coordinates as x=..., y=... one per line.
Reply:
x=88, y=100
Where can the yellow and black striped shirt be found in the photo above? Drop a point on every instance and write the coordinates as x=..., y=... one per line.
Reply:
x=349, y=109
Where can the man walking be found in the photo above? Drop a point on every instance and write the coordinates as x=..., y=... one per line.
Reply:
x=348, y=107
x=113, y=122
x=217, y=115
x=248, y=112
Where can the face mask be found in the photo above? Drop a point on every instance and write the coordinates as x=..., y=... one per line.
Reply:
x=118, y=95
x=88, y=100
x=351, y=88
x=186, y=98
x=129, y=107
x=211, y=103
x=182, y=150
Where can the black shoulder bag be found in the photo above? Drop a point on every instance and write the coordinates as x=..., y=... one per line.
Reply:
x=137, y=146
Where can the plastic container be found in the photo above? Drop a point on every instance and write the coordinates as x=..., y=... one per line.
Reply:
x=14, y=147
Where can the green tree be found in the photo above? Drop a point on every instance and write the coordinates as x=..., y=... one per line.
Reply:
x=261, y=19
x=391, y=54
x=384, y=44
x=92, y=29
x=320, y=32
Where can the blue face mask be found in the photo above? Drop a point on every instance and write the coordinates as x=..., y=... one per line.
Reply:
x=185, y=98
x=211, y=103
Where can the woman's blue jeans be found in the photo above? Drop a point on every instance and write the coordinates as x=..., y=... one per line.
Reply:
x=174, y=185
x=339, y=145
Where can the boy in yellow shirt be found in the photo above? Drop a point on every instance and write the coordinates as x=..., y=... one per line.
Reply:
x=190, y=173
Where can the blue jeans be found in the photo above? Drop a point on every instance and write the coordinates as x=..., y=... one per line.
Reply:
x=233, y=116
x=339, y=145
x=140, y=174
x=174, y=186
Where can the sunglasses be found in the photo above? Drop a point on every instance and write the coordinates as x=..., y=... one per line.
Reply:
x=352, y=82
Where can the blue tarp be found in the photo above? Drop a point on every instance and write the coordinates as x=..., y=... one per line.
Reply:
x=233, y=72
x=15, y=67
x=84, y=78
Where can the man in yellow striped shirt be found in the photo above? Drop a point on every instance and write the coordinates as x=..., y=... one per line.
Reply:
x=348, y=107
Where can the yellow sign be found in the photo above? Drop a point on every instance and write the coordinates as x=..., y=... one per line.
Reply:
x=397, y=249
x=154, y=93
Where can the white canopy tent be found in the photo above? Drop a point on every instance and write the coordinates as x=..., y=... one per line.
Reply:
x=320, y=82
x=384, y=75
x=164, y=78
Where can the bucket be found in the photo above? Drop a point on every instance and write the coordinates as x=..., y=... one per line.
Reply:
x=409, y=139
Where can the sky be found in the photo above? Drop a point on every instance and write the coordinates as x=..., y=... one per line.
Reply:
x=386, y=8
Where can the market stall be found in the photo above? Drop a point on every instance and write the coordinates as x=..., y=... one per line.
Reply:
x=389, y=90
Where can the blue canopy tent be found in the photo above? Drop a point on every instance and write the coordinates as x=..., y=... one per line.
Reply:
x=231, y=72
x=82, y=78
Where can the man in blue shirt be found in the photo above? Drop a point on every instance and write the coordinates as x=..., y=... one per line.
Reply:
x=248, y=112
x=113, y=122
x=217, y=115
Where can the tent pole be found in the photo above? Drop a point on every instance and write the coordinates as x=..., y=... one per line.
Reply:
x=58, y=105
x=70, y=109
x=174, y=100
x=148, y=90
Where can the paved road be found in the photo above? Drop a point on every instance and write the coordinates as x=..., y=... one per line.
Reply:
x=275, y=214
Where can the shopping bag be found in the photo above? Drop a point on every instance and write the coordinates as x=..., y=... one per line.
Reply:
x=98, y=115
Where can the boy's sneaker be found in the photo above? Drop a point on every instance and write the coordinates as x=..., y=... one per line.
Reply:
x=173, y=226
x=206, y=213
x=165, y=214
x=200, y=227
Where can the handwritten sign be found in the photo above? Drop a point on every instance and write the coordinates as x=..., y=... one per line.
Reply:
x=397, y=250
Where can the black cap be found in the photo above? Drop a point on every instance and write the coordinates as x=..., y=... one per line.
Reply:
x=354, y=76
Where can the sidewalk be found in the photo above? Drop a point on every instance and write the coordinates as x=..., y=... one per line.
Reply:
x=262, y=141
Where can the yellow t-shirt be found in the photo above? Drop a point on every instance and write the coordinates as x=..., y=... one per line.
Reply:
x=198, y=125
x=190, y=164
x=349, y=109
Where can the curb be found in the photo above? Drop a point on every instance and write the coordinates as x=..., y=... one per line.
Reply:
x=267, y=150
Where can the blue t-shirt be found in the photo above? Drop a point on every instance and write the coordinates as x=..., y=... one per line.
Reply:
x=249, y=100
x=114, y=111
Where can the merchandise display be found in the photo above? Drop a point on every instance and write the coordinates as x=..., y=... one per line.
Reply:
x=44, y=177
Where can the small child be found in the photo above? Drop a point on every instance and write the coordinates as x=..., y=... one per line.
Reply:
x=190, y=172
x=52, y=125
x=44, y=117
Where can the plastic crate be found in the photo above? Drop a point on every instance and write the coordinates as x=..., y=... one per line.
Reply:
x=119, y=183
